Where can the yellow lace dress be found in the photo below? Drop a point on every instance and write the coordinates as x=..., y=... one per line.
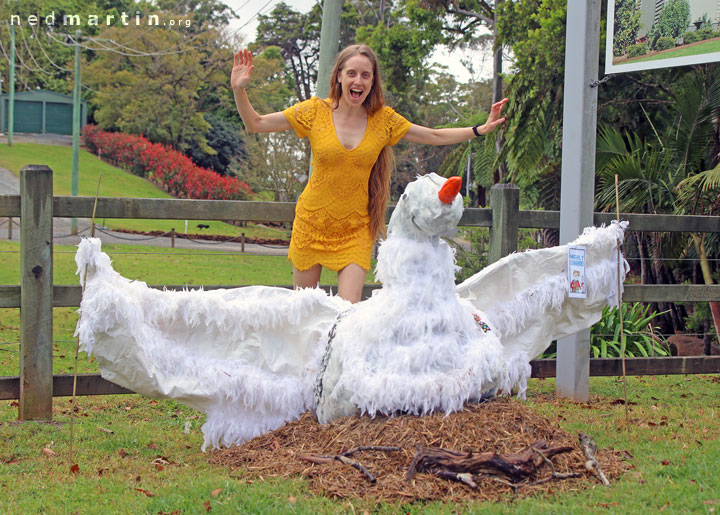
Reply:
x=332, y=225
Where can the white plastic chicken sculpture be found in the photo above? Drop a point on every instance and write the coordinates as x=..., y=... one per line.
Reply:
x=415, y=345
x=256, y=357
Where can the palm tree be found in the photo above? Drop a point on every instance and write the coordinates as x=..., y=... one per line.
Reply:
x=675, y=172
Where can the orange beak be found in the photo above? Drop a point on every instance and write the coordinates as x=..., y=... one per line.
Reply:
x=449, y=190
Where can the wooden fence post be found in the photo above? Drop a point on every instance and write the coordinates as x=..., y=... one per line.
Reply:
x=10, y=222
x=36, y=293
x=505, y=204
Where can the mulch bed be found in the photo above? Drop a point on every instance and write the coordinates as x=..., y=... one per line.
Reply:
x=503, y=425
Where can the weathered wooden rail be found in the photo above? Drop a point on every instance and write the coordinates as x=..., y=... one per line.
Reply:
x=37, y=295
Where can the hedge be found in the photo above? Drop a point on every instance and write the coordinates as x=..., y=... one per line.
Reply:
x=664, y=43
x=167, y=167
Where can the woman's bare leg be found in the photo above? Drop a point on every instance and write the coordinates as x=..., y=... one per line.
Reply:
x=351, y=280
x=309, y=278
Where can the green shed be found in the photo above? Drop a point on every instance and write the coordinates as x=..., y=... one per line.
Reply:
x=41, y=111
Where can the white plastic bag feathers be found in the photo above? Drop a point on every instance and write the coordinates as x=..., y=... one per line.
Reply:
x=249, y=357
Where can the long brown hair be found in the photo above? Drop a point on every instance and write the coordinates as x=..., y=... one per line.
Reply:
x=379, y=181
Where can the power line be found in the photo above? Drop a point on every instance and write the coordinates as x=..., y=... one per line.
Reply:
x=37, y=38
x=135, y=52
x=18, y=55
x=254, y=16
x=27, y=47
x=110, y=45
x=108, y=49
x=39, y=69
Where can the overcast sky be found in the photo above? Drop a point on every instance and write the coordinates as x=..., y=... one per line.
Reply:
x=248, y=10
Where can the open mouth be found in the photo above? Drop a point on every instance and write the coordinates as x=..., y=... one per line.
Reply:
x=356, y=93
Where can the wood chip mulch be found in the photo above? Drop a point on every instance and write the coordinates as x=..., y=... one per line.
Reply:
x=503, y=425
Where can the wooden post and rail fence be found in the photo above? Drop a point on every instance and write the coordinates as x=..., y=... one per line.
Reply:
x=36, y=295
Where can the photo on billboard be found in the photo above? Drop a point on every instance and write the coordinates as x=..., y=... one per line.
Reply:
x=649, y=34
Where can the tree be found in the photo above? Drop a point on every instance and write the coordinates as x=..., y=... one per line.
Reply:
x=535, y=30
x=155, y=91
x=229, y=147
x=297, y=36
x=626, y=25
x=673, y=21
x=472, y=23
x=672, y=172
x=403, y=52
x=277, y=161
x=44, y=54
x=443, y=102
x=203, y=13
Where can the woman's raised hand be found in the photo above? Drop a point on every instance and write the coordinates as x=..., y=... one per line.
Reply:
x=242, y=69
x=494, y=119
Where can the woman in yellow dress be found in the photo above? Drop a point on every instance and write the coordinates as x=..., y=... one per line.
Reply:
x=342, y=209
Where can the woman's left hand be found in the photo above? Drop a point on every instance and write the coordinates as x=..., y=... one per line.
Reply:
x=494, y=119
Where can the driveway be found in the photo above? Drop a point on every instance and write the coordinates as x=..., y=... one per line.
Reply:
x=43, y=139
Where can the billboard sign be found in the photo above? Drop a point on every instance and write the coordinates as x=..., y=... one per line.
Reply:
x=649, y=34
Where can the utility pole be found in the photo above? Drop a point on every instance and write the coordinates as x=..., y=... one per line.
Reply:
x=11, y=92
x=76, y=128
x=1, y=87
x=329, y=42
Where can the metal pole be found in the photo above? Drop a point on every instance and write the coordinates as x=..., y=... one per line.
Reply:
x=578, y=170
x=76, y=128
x=11, y=91
x=467, y=174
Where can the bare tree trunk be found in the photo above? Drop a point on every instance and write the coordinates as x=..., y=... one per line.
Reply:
x=663, y=276
x=699, y=242
x=481, y=200
x=643, y=256
x=707, y=344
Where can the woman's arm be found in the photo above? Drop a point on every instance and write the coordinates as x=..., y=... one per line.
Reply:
x=449, y=136
x=239, y=79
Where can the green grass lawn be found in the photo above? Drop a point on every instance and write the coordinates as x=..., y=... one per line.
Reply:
x=702, y=47
x=138, y=455
x=115, y=183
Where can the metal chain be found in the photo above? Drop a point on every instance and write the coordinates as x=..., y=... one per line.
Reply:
x=596, y=83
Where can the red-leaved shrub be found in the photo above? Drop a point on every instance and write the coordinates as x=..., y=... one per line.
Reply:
x=170, y=169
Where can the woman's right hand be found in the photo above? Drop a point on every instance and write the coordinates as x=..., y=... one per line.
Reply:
x=242, y=69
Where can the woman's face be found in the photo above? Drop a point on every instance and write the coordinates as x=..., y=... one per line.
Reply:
x=356, y=79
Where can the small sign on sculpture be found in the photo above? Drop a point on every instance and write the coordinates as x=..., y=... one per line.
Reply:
x=576, y=273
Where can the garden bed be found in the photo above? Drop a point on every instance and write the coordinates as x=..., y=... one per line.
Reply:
x=504, y=426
